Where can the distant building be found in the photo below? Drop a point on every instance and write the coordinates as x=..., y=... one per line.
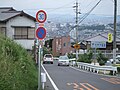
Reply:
x=18, y=25
x=103, y=37
x=61, y=45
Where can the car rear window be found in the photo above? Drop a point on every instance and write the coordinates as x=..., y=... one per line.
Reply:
x=48, y=56
x=63, y=57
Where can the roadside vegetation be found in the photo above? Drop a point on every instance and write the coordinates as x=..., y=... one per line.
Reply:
x=86, y=57
x=17, y=69
x=89, y=58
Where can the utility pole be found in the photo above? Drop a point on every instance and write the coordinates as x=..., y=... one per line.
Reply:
x=114, y=34
x=77, y=13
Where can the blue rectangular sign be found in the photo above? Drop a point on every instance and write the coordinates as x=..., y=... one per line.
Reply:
x=98, y=44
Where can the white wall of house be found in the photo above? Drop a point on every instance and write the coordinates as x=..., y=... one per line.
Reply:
x=20, y=21
x=27, y=44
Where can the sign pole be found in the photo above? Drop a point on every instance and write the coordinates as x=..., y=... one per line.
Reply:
x=40, y=34
x=39, y=69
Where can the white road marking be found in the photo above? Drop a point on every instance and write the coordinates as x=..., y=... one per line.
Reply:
x=52, y=82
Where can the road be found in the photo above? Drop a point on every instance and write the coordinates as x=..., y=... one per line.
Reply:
x=68, y=78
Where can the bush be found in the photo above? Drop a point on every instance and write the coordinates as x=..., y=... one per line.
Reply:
x=86, y=58
x=101, y=59
x=17, y=69
x=118, y=69
x=71, y=55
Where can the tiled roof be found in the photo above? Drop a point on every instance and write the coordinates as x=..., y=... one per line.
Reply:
x=6, y=9
x=101, y=37
x=7, y=13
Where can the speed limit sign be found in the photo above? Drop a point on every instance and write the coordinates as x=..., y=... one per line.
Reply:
x=41, y=16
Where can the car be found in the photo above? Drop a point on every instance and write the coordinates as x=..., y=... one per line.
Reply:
x=48, y=58
x=63, y=60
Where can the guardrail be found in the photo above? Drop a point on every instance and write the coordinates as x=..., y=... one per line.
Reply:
x=93, y=68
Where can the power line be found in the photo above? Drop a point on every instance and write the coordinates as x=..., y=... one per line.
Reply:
x=53, y=9
x=83, y=18
x=87, y=5
x=86, y=15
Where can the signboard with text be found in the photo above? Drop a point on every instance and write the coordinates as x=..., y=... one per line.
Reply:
x=98, y=44
x=110, y=37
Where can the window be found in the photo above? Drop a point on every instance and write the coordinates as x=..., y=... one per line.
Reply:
x=3, y=30
x=64, y=44
x=31, y=32
x=24, y=33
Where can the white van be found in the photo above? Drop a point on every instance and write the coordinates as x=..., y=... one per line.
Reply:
x=48, y=58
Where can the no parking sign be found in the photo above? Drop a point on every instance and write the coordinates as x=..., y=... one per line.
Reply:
x=41, y=33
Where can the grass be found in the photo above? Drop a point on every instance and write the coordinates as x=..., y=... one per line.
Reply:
x=17, y=69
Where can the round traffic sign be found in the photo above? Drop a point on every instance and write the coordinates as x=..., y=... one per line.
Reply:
x=41, y=33
x=41, y=16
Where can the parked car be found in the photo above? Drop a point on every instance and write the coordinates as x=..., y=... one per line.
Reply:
x=48, y=58
x=63, y=60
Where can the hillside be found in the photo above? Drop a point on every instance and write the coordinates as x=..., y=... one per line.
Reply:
x=17, y=69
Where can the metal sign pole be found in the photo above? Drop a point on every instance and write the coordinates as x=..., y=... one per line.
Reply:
x=39, y=69
x=40, y=34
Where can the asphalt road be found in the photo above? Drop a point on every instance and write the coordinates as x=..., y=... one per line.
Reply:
x=68, y=78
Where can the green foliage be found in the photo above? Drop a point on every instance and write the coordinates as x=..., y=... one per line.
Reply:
x=101, y=59
x=118, y=69
x=71, y=55
x=46, y=51
x=86, y=58
x=48, y=43
x=17, y=69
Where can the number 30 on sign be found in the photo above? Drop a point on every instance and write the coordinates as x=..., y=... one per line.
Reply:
x=41, y=16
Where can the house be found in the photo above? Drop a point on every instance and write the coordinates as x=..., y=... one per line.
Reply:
x=18, y=26
x=103, y=37
x=61, y=45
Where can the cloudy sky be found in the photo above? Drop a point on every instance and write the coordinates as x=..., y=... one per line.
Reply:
x=106, y=7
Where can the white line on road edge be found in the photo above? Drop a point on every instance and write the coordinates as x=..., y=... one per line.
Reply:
x=54, y=85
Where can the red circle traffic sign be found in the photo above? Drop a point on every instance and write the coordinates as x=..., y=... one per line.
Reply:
x=41, y=33
x=41, y=16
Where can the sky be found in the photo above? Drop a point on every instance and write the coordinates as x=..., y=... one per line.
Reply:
x=106, y=7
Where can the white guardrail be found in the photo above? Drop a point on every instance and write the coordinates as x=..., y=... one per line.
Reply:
x=93, y=68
